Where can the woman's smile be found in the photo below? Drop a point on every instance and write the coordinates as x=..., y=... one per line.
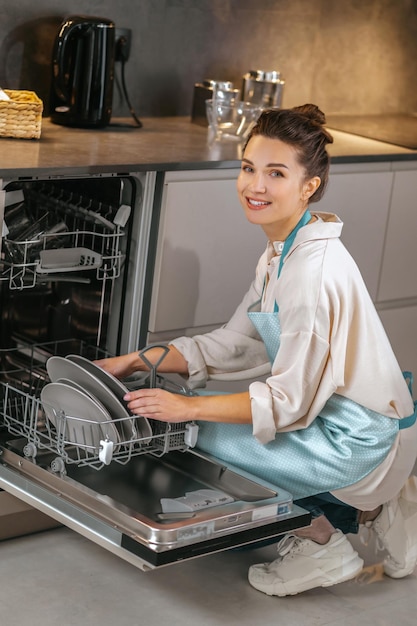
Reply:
x=256, y=205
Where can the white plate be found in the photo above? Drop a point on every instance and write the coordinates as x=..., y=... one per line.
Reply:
x=141, y=424
x=113, y=383
x=60, y=367
x=87, y=423
x=74, y=385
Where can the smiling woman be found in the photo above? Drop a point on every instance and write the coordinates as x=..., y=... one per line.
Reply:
x=334, y=422
x=273, y=187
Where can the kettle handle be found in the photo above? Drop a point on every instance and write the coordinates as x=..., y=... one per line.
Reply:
x=58, y=56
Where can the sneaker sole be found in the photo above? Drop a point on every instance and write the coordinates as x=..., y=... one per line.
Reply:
x=321, y=579
x=394, y=569
x=395, y=572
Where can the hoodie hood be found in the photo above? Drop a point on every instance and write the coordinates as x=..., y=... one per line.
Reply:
x=325, y=226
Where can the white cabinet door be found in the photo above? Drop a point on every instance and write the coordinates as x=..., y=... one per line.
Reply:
x=361, y=200
x=401, y=327
x=398, y=283
x=399, y=267
x=206, y=253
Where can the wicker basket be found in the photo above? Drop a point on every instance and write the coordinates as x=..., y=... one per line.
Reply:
x=21, y=116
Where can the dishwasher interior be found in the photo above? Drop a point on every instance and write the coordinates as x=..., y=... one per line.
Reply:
x=69, y=447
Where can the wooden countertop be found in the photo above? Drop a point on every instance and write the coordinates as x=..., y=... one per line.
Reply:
x=166, y=143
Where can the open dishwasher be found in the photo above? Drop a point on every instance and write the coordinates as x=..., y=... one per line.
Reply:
x=68, y=446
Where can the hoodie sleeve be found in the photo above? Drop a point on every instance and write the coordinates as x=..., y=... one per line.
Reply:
x=232, y=352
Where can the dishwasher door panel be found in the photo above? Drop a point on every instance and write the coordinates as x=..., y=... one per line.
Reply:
x=119, y=506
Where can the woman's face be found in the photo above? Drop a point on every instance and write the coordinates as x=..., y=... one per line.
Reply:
x=272, y=187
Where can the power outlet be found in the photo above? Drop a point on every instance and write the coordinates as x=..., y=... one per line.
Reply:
x=123, y=42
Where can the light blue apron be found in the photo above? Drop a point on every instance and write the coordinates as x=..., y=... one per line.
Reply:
x=342, y=445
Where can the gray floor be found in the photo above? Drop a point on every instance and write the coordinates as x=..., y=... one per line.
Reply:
x=58, y=577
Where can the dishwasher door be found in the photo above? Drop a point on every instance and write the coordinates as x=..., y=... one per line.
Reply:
x=119, y=506
x=146, y=495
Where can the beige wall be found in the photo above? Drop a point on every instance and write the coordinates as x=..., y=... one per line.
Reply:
x=348, y=56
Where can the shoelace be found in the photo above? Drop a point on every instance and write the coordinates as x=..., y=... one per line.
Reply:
x=365, y=533
x=286, y=544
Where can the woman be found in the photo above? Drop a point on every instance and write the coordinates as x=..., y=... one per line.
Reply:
x=334, y=422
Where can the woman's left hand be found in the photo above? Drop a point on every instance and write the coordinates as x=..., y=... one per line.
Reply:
x=160, y=405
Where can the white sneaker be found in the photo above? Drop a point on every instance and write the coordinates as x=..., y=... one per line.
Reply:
x=303, y=564
x=396, y=529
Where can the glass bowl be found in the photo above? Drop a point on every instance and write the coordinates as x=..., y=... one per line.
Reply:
x=231, y=121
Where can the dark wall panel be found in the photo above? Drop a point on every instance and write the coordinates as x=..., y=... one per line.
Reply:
x=348, y=56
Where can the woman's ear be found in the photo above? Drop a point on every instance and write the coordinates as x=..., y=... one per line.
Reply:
x=311, y=186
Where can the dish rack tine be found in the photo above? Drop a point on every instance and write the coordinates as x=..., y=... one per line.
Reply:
x=153, y=366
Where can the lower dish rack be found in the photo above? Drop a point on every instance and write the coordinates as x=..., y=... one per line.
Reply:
x=77, y=439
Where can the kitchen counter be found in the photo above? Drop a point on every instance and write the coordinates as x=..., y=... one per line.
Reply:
x=395, y=128
x=162, y=144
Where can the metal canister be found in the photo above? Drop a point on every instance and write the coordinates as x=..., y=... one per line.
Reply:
x=204, y=91
x=263, y=87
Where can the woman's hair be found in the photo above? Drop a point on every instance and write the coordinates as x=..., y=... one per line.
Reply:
x=303, y=128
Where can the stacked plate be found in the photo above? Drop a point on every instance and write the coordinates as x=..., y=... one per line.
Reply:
x=92, y=401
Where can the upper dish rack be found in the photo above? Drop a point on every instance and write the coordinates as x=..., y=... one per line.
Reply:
x=52, y=232
x=23, y=414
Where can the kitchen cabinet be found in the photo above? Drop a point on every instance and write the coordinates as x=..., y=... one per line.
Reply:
x=360, y=196
x=207, y=251
x=398, y=272
x=18, y=518
x=206, y=254
x=377, y=206
x=400, y=323
x=397, y=293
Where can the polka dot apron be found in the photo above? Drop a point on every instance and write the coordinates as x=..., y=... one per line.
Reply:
x=341, y=446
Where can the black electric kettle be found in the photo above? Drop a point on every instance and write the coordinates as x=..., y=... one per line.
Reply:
x=83, y=72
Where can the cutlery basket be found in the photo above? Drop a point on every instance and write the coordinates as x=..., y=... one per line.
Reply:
x=21, y=116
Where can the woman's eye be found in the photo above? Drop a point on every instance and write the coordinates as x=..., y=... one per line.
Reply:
x=275, y=173
x=247, y=168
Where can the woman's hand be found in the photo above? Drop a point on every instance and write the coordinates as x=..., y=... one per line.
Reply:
x=120, y=366
x=127, y=364
x=160, y=405
x=165, y=406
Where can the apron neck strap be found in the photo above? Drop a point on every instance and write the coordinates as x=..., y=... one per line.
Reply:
x=290, y=239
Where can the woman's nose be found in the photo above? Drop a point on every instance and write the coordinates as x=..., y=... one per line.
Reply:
x=258, y=183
